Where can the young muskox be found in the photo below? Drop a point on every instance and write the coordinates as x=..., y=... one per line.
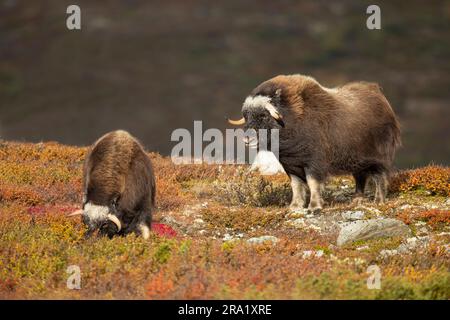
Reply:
x=118, y=186
x=349, y=129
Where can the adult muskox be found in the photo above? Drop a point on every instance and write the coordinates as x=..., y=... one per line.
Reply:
x=118, y=186
x=348, y=129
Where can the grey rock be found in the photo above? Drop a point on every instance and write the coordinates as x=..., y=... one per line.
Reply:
x=302, y=223
x=199, y=221
x=298, y=223
x=371, y=229
x=388, y=253
x=413, y=243
x=262, y=239
x=170, y=221
x=423, y=231
x=227, y=237
x=353, y=215
x=312, y=253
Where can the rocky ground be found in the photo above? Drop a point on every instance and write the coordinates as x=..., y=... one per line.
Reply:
x=345, y=221
x=232, y=235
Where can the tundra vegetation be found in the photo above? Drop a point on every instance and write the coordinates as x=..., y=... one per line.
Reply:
x=233, y=236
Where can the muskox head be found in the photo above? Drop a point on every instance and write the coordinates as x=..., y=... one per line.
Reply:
x=97, y=217
x=260, y=112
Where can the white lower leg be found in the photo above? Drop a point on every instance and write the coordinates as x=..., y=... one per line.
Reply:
x=380, y=188
x=298, y=192
x=144, y=230
x=315, y=187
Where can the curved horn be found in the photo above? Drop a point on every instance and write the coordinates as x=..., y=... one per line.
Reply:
x=273, y=112
x=78, y=212
x=237, y=122
x=115, y=220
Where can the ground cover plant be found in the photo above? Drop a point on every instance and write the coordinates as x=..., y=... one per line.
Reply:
x=219, y=232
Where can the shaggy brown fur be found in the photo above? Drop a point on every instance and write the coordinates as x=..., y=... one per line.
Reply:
x=118, y=174
x=348, y=129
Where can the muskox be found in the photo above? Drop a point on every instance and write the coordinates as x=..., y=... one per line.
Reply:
x=118, y=187
x=350, y=129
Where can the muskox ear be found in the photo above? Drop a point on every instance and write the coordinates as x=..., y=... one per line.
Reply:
x=276, y=99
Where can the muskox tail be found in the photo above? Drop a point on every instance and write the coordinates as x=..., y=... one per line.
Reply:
x=392, y=140
x=392, y=132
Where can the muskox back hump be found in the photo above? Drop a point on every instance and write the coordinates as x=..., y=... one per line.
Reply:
x=116, y=164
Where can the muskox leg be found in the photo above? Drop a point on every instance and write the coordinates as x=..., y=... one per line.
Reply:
x=360, y=182
x=315, y=187
x=144, y=224
x=298, y=193
x=360, y=185
x=381, y=184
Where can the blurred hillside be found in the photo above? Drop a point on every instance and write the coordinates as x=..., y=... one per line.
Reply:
x=153, y=66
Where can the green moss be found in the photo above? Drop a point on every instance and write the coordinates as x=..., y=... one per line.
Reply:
x=163, y=252
x=434, y=287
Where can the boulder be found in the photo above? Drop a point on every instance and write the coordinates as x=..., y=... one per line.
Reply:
x=371, y=229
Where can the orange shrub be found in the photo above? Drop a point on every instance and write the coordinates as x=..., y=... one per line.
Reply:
x=406, y=216
x=159, y=286
x=436, y=218
x=20, y=194
x=435, y=179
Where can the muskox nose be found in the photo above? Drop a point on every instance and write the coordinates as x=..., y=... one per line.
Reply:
x=109, y=229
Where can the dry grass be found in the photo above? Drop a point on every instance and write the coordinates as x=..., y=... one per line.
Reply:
x=40, y=183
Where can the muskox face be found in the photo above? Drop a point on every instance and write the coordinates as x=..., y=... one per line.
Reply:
x=97, y=217
x=260, y=113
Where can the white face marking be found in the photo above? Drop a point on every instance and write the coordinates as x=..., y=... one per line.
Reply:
x=95, y=212
x=261, y=102
x=256, y=102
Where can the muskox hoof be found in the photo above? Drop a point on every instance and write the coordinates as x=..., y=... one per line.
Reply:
x=297, y=207
x=379, y=200
x=314, y=207
x=314, y=210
